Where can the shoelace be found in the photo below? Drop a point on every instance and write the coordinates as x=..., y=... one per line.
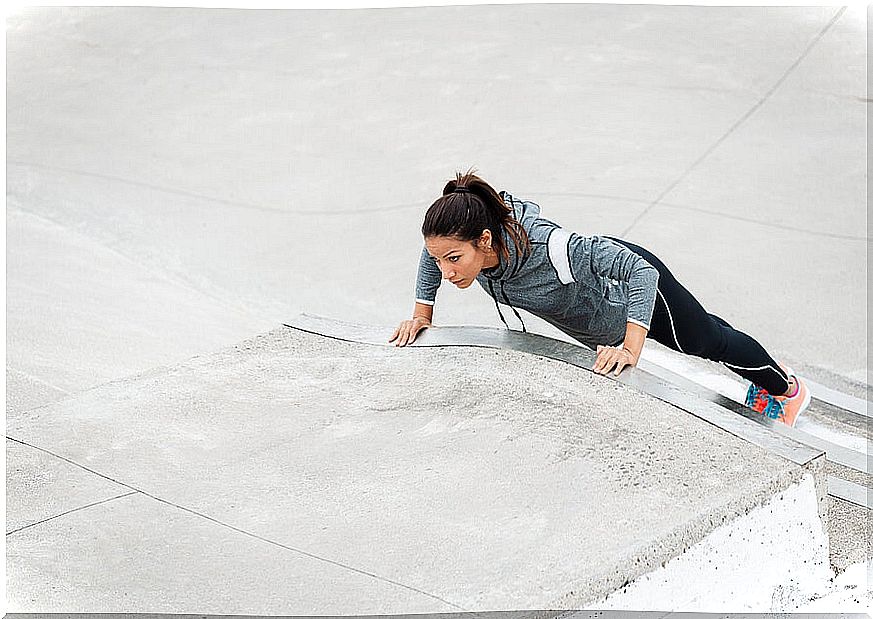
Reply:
x=774, y=409
x=755, y=397
x=761, y=401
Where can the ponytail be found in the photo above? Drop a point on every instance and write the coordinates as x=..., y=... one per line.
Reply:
x=468, y=206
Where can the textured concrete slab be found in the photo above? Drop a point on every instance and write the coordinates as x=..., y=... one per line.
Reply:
x=496, y=463
x=40, y=487
x=136, y=553
x=773, y=534
x=852, y=536
x=740, y=422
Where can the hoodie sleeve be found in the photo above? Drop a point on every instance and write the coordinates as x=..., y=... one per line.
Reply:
x=428, y=280
x=607, y=259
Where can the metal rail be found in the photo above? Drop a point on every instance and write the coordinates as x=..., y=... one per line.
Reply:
x=835, y=453
x=836, y=398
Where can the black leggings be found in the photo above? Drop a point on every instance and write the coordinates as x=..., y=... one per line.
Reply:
x=680, y=322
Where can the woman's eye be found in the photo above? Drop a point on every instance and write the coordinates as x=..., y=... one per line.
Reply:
x=454, y=258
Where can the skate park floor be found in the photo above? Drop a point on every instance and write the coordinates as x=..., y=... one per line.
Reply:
x=181, y=182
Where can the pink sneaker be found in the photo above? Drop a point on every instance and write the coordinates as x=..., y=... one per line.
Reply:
x=792, y=407
x=779, y=407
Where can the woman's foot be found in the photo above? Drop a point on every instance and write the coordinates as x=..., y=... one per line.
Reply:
x=797, y=402
x=760, y=401
x=782, y=408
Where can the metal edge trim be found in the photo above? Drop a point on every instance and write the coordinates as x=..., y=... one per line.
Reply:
x=849, y=491
x=838, y=454
x=837, y=398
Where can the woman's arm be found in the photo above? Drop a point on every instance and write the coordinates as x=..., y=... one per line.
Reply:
x=614, y=261
x=428, y=280
x=609, y=357
x=426, y=284
x=408, y=329
x=634, y=339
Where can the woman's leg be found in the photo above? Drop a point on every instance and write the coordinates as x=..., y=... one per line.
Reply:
x=680, y=322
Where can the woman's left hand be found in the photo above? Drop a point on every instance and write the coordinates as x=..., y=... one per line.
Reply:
x=609, y=357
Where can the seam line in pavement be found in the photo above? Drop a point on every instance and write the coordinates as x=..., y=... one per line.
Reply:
x=779, y=226
x=697, y=209
x=739, y=122
x=198, y=196
x=233, y=528
x=70, y=511
x=394, y=208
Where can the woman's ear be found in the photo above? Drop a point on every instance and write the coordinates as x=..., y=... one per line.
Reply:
x=485, y=240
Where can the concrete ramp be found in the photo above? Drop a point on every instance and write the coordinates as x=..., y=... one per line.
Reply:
x=296, y=473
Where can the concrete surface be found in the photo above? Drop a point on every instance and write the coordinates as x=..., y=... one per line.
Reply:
x=486, y=479
x=80, y=313
x=848, y=525
x=851, y=535
x=280, y=162
x=137, y=553
x=40, y=487
x=178, y=180
x=708, y=577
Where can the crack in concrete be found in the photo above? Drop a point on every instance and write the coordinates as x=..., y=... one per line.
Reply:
x=69, y=511
x=739, y=122
x=778, y=226
x=697, y=209
x=231, y=527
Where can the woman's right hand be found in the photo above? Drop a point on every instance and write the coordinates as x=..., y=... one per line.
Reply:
x=408, y=330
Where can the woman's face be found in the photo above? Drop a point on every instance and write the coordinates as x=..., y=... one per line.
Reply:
x=461, y=261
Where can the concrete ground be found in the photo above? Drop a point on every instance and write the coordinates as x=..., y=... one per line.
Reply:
x=180, y=180
x=355, y=475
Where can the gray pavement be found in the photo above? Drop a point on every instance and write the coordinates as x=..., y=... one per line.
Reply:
x=179, y=180
x=376, y=480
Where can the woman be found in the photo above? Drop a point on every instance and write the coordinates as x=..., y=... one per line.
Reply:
x=604, y=292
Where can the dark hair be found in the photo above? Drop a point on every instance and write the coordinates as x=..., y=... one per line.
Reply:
x=465, y=214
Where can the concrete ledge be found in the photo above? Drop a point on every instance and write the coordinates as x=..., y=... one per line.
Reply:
x=738, y=421
x=466, y=478
x=775, y=557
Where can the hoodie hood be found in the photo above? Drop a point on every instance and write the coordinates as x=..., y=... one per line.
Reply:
x=526, y=213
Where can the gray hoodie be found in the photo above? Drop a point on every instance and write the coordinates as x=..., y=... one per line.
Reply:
x=588, y=287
